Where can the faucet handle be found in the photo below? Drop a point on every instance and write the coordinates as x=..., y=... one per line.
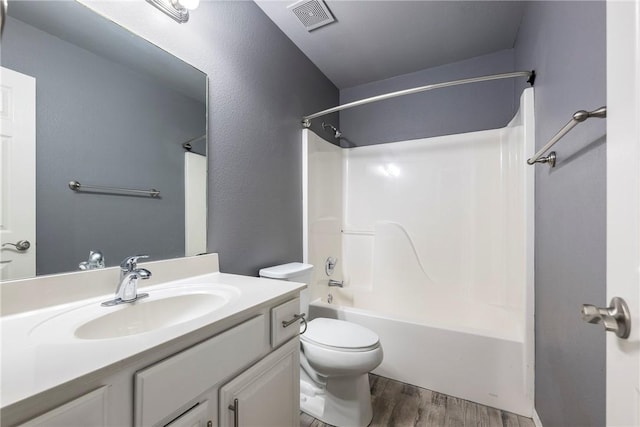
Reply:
x=130, y=262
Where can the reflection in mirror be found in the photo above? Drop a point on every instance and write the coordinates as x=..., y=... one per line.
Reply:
x=104, y=107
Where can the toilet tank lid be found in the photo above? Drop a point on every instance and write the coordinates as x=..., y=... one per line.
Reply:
x=286, y=271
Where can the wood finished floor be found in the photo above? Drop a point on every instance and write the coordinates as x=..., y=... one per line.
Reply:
x=396, y=404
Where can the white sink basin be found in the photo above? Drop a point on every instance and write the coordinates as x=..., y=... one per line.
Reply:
x=145, y=316
x=164, y=308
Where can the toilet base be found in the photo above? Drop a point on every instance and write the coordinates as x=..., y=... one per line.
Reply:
x=342, y=402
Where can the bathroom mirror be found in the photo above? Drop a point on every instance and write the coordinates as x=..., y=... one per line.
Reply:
x=111, y=110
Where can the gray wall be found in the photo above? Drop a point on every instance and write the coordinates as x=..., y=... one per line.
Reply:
x=260, y=86
x=467, y=108
x=102, y=123
x=565, y=42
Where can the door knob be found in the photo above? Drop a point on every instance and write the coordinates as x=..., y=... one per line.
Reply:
x=20, y=245
x=615, y=318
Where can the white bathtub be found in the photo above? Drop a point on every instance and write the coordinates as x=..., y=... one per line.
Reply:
x=482, y=367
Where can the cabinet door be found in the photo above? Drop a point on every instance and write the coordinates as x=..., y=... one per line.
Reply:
x=198, y=416
x=267, y=394
x=174, y=384
x=89, y=410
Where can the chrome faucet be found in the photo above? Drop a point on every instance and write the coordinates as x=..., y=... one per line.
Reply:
x=96, y=260
x=338, y=283
x=127, y=290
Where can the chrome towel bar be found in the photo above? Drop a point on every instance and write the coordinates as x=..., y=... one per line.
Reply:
x=76, y=186
x=578, y=117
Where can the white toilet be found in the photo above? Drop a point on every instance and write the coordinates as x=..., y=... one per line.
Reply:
x=335, y=359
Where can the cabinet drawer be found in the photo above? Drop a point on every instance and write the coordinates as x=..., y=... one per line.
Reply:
x=89, y=410
x=198, y=416
x=284, y=313
x=168, y=386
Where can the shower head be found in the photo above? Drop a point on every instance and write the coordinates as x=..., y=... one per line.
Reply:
x=336, y=133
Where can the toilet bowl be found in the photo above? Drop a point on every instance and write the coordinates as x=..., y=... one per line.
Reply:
x=335, y=359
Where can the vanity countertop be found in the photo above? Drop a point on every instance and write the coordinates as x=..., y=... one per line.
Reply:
x=33, y=363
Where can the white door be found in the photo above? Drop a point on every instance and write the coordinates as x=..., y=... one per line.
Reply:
x=195, y=204
x=17, y=175
x=623, y=206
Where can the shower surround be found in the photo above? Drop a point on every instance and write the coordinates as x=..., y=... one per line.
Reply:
x=434, y=239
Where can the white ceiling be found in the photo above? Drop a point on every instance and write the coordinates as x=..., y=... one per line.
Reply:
x=374, y=40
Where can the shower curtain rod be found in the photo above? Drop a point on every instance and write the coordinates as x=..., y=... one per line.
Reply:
x=187, y=144
x=306, y=120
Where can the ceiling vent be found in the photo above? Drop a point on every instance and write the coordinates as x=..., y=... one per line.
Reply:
x=312, y=13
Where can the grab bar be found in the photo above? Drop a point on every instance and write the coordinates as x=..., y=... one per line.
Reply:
x=359, y=232
x=76, y=186
x=578, y=117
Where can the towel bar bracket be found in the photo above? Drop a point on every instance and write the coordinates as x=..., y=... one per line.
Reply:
x=549, y=159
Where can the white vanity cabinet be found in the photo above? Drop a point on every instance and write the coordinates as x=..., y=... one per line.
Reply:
x=267, y=394
x=184, y=380
x=238, y=365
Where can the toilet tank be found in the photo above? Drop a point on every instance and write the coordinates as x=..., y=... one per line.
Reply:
x=293, y=272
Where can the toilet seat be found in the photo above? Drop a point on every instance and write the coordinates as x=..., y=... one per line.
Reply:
x=339, y=335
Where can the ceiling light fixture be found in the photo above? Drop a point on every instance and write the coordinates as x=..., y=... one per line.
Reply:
x=176, y=9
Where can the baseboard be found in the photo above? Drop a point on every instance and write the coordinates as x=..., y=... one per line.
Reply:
x=536, y=418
